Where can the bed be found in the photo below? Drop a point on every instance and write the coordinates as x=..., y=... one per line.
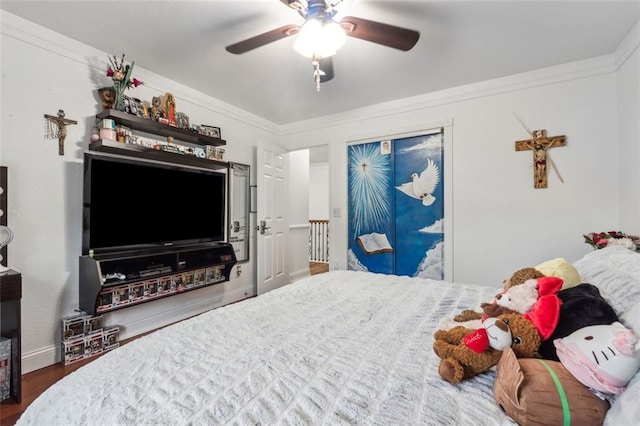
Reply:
x=343, y=347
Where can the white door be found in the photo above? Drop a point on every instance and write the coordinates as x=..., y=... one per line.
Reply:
x=272, y=222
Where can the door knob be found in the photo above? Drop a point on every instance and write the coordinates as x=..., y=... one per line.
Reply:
x=263, y=227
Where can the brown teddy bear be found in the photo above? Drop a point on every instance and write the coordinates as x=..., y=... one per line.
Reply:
x=492, y=309
x=520, y=276
x=460, y=359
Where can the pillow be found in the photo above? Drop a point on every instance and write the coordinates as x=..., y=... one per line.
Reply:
x=542, y=392
x=615, y=270
x=560, y=268
x=602, y=357
x=631, y=318
x=624, y=410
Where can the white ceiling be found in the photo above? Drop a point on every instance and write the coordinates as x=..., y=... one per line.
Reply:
x=461, y=42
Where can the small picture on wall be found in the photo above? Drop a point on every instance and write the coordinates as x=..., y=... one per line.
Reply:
x=385, y=147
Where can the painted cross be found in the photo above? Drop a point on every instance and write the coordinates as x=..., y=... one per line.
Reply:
x=539, y=145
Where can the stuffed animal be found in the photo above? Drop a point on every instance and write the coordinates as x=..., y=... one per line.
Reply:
x=520, y=276
x=582, y=306
x=534, y=297
x=561, y=268
x=558, y=267
x=602, y=357
x=458, y=349
x=542, y=392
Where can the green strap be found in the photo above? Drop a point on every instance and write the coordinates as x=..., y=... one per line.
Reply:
x=563, y=396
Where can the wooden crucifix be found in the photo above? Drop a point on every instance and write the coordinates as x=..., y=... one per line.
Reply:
x=539, y=144
x=56, y=127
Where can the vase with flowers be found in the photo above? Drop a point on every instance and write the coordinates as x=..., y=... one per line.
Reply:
x=599, y=240
x=120, y=73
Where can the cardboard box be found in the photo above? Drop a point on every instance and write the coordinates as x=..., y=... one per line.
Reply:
x=93, y=344
x=73, y=350
x=92, y=324
x=73, y=326
x=110, y=338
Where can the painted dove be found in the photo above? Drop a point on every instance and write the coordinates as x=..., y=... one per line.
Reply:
x=422, y=186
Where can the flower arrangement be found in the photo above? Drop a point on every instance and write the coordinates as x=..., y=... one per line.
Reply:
x=600, y=240
x=120, y=73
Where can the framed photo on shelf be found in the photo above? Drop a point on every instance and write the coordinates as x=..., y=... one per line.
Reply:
x=214, y=132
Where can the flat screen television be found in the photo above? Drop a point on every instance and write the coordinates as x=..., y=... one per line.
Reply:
x=133, y=204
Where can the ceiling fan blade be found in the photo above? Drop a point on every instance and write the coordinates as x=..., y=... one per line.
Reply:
x=326, y=65
x=295, y=4
x=377, y=32
x=262, y=39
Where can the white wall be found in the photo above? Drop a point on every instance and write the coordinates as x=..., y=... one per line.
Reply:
x=298, y=244
x=42, y=72
x=319, y=191
x=628, y=108
x=499, y=221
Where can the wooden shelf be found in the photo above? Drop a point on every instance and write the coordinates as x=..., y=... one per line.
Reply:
x=180, y=268
x=113, y=147
x=152, y=126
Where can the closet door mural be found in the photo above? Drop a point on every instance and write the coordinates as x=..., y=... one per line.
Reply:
x=396, y=206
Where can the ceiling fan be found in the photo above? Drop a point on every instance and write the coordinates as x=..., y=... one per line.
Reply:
x=320, y=36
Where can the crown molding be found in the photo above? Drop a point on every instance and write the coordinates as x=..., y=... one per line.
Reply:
x=628, y=46
x=43, y=38
x=542, y=77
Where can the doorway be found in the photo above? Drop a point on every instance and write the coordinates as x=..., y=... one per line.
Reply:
x=319, y=204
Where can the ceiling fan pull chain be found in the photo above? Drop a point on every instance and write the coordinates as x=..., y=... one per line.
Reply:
x=317, y=72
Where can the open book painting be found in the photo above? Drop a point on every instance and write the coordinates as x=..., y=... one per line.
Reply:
x=374, y=243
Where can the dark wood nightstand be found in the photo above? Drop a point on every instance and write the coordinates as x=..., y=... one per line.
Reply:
x=10, y=326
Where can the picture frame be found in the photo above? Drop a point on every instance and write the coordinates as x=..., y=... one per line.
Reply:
x=212, y=131
x=385, y=147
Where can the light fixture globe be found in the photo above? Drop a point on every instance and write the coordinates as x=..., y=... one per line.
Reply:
x=319, y=37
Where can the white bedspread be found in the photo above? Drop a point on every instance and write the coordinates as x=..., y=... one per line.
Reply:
x=336, y=348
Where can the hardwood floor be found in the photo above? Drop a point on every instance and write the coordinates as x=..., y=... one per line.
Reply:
x=36, y=382
x=33, y=384
x=318, y=267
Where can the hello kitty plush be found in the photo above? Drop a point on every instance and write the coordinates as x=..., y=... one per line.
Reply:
x=602, y=357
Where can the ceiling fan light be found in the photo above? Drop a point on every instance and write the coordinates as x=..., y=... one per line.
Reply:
x=319, y=38
x=333, y=35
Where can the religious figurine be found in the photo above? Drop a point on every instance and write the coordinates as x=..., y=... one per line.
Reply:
x=156, y=104
x=169, y=108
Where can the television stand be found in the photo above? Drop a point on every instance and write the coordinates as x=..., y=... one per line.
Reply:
x=112, y=281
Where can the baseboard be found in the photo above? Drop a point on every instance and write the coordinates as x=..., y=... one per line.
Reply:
x=296, y=275
x=43, y=357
